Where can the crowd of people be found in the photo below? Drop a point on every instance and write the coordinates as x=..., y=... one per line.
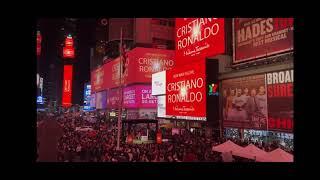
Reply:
x=99, y=145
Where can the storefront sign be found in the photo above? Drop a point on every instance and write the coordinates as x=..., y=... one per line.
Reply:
x=198, y=38
x=260, y=37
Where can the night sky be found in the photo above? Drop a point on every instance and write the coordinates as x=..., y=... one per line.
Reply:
x=51, y=53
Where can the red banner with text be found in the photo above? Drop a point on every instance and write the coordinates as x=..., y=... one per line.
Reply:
x=198, y=38
x=186, y=90
x=67, y=86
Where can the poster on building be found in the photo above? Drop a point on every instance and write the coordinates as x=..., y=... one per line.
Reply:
x=198, y=38
x=244, y=102
x=186, y=91
x=259, y=37
x=280, y=100
x=113, y=98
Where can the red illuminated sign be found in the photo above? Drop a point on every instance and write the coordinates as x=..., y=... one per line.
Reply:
x=69, y=42
x=97, y=81
x=186, y=90
x=67, y=86
x=142, y=63
x=198, y=38
x=39, y=39
x=68, y=52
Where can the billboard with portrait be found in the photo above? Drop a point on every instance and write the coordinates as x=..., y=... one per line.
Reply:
x=261, y=102
x=244, y=102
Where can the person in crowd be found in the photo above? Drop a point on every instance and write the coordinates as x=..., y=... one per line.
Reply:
x=238, y=103
x=261, y=98
x=229, y=103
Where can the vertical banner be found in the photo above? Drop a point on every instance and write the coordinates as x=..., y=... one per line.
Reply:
x=244, y=102
x=93, y=100
x=260, y=37
x=198, y=38
x=186, y=91
x=67, y=86
x=97, y=79
x=280, y=100
x=39, y=39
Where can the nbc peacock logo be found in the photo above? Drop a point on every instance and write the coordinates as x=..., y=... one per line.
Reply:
x=213, y=90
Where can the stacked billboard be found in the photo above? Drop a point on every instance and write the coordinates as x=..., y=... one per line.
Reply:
x=263, y=101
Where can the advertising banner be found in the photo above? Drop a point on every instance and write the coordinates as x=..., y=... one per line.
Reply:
x=159, y=83
x=244, y=102
x=93, y=100
x=198, y=38
x=143, y=62
x=86, y=96
x=259, y=37
x=186, y=90
x=280, y=100
x=67, y=86
x=139, y=96
x=101, y=100
x=113, y=98
x=97, y=79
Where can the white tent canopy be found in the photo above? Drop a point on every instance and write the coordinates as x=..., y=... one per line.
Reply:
x=279, y=155
x=228, y=146
x=253, y=152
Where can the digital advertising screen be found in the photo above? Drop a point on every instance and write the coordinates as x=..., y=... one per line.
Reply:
x=198, y=38
x=67, y=85
x=260, y=37
x=86, y=96
x=186, y=91
x=139, y=96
